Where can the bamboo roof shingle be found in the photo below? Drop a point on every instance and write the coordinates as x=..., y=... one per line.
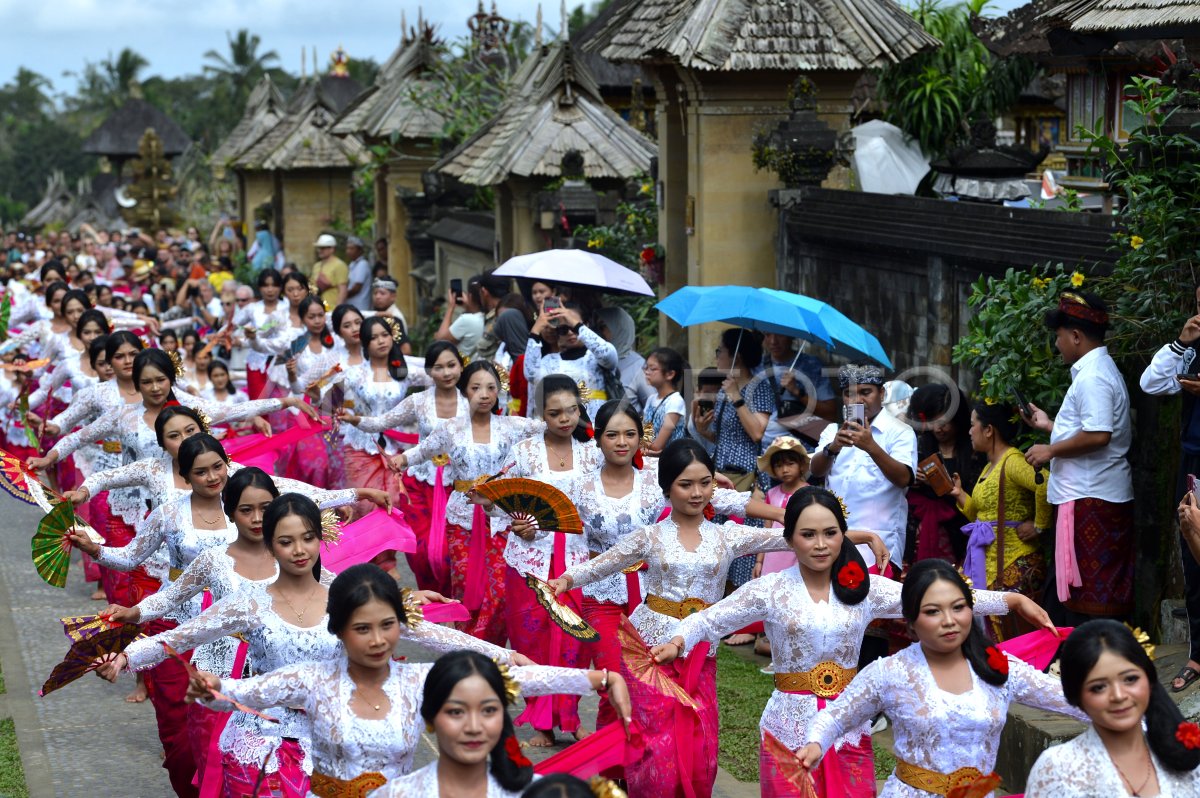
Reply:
x=553, y=107
x=391, y=106
x=264, y=108
x=1096, y=16
x=303, y=138
x=736, y=35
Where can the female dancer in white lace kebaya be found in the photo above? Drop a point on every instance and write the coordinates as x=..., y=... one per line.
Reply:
x=818, y=611
x=1138, y=742
x=365, y=708
x=946, y=697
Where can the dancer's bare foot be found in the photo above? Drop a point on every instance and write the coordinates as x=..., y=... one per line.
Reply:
x=542, y=739
x=581, y=733
x=98, y=595
x=139, y=694
x=739, y=640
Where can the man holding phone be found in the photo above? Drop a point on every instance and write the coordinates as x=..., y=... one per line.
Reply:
x=1173, y=370
x=463, y=329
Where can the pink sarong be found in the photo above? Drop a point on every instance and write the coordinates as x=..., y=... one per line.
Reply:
x=487, y=552
x=418, y=513
x=290, y=781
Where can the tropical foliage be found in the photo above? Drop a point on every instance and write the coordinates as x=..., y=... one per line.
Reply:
x=936, y=95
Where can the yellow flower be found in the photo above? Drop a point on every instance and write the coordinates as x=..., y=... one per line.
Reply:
x=630, y=219
x=1136, y=242
x=647, y=188
x=989, y=401
x=1041, y=282
x=595, y=243
x=1077, y=279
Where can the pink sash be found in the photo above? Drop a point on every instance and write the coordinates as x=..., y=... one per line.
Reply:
x=1066, y=566
x=686, y=719
x=481, y=528
x=211, y=781
x=445, y=613
x=605, y=749
x=1037, y=647
x=377, y=531
x=539, y=710
x=438, y=553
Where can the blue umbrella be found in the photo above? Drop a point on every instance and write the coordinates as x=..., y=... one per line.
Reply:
x=850, y=340
x=743, y=306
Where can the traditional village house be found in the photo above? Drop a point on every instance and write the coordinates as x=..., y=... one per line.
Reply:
x=119, y=136
x=554, y=112
x=255, y=189
x=721, y=72
x=307, y=168
x=389, y=114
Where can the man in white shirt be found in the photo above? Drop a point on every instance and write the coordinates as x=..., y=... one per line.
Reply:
x=870, y=466
x=358, y=293
x=1091, y=484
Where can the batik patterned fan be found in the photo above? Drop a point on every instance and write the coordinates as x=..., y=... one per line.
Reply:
x=790, y=766
x=31, y=434
x=541, y=502
x=194, y=674
x=81, y=627
x=637, y=657
x=50, y=546
x=85, y=654
x=563, y=615
x=980, y=788
x=15, y=476
x=5, y=315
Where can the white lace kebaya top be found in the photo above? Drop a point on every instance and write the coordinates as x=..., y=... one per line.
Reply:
x=607, y=519
x=587, y=370
x=674, y=573
x=934, y=729
x=265, y=324
x=344, y=745
x=1082, y=768
x=419, y=410
x=804, y=633
x=424, y=784
x=67, y=370
x=530, y=459
x=374, y=398
x=470, y=460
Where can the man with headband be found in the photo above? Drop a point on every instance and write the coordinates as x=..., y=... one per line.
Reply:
x=1091, y=485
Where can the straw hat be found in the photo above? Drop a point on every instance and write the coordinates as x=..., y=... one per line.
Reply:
x=325, y=240
x=784, y=443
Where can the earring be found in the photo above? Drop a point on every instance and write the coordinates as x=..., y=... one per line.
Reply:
x=429, y=727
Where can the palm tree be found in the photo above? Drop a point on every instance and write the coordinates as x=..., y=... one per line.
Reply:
x=25, y=97
x=123, y=73
x=244, y=66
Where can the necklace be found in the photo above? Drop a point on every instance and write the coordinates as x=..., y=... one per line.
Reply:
x=1128, y=783
x=208, y=521
x=300, y=613
x=358, y=694
x=562, y=461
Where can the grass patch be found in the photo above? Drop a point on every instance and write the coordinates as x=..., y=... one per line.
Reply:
x=885, y=762
x=742, y=692
x=12, y=775
x=3, y=689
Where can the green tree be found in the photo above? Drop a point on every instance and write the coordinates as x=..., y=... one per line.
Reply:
x=583, y=14
x=25, y=98
x=106, y=85
x=935, y=95
x=244, y=66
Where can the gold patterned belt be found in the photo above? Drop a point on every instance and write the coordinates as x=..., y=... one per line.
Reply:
x=933, y=782
x=825, y=679
x=357, y=787
x=676, y=609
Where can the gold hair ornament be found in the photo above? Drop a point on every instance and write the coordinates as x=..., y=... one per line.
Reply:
x=604, y=788
x=842, y=503
x=414, y=616
x=1143, y=640
x=502, y=374
x=177, y=361
x=512, y=690
x=205, y=421
x=331, y=528
x=397, y=331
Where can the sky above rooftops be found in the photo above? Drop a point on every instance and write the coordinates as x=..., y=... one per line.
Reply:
x=56, y=37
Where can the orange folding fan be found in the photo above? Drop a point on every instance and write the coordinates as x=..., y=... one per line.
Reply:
x=790, y=766
x=539, y=501
x=636, y=656
x=979, y=788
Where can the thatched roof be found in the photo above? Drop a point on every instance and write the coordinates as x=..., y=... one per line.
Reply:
x=340, y=90
x=1094, y=16
x=263, y=111
x=1033, y=29
x=736, y=35
x=387, y=108
x=303, y=138
x=119, y=135
x=554, y=107
x=608, y=75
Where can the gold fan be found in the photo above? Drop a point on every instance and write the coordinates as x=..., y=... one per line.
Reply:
x=563, y=615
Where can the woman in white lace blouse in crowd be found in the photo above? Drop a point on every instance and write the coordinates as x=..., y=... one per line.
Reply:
x=1138, y=743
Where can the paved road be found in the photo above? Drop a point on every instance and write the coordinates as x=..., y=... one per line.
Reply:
x=84, y=739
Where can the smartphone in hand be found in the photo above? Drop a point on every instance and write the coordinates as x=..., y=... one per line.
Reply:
x=457, y=290
x=856, y=412
x=1022, y=405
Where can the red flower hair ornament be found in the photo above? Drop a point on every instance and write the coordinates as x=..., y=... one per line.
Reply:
x=327, y=340
x=851, y=575
x=397, y=363
x=1188, y=734
x=512, y=747
x=997, y=661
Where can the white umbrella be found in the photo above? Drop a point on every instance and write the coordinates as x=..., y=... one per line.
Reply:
x=886, y=160
x=576, y=267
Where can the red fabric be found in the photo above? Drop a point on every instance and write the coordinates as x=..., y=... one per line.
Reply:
x=487, y=622
x=931, y=514
x=854, y=777
x=418, y=513
x=117, y=585
x=365, y=470
x=167, y=685
x=289, y=781
x=1104, y=548
x=439, y=549
x=481, y=531
x=256, y=384
x=518, y=386
x=604, y=617
x=603, y=752
x=532, y=633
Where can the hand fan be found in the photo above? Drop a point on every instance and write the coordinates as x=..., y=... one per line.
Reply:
x=323, y=380
x=81, y=627
x=297, y=346
x=790, y=766
x=23, y=413
x=563, y=615
x=50, y=546
x=5, y=315
x=218, y=695
x=980, y=788
x=25, y=366
x=540, y=501
x=84, y=654
x=636, y=656
x=47, y=499
x=14, y=477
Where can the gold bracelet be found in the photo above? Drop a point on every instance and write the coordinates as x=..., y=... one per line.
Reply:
x=604, y=682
